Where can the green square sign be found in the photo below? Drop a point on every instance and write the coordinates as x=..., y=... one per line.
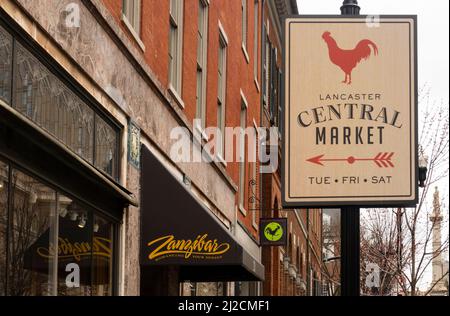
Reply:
x=273, y=231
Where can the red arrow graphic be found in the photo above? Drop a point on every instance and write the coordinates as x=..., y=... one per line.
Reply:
x=381, y=160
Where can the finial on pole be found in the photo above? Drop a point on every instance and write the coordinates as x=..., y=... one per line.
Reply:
x=350, y=7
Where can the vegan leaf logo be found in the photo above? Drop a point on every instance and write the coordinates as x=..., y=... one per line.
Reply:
x=348, y=59
x=273, y=231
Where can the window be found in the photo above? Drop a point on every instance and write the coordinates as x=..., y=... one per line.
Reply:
x=39, y=95
x=246, y=288
x=273, y=76
x=175, y=44
x=75, y=228
x=5, y=65
x=105, y=143
x=32, y=234
x=47, y=232
x=46, y=100
x=102, y=256
x=255, y=38
x=242, y=163
x=131, y=10
x=4, y=181
x=201, y=61
x=221, y=92
x=280, y=109
x=244, y=23
x=204, y=289
x=266, y=73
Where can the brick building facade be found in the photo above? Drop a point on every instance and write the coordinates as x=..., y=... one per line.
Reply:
x=296, y=268
x=146, y=68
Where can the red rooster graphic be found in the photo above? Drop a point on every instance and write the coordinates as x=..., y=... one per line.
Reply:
x=347, y=59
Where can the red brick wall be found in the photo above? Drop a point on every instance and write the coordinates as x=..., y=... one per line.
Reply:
x=277, y=281
x=154, y=33
x=155, y=37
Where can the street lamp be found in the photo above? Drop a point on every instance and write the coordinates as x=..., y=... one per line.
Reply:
x=423, y=164
x=350, y=7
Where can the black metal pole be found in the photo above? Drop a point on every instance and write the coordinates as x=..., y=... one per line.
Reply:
x=308, y=266
x=350, y=239
x=350, y=7
x=350, y=272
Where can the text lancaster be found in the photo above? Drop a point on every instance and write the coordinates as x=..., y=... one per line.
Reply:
x=347, y=135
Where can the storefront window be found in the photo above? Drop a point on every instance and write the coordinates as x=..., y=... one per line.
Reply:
x=56, y=246
x=203, y=289
x=74, y=249
x=85, y=247
x=3, y=223
x=32, y=237
x=5, y=65
x=245, y=288
x=102, y=257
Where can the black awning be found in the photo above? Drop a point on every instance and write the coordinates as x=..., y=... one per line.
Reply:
x=178, y=231
x=23, y=142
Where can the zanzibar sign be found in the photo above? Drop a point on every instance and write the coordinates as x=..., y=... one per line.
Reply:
x=350, y=96
x=201, y=247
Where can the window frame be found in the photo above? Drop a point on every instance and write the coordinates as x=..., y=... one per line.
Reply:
x=53, y=67
x=131, y=17
x=243, y=117
x=255, y=40
x=94, y=211
x=176, y=25
x=222, y=90
x=266, y=71
x=202, y=60
x=244, y=31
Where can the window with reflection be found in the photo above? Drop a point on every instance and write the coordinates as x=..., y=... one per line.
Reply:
x=102, y=257
x=3, y=224
x=32, y=237
x=74, y=248
x=44, y=99
x=48, y=101
x=51, y=244
x=203, y=288
x=106, y=147
x=5, y=65
x=85, y=247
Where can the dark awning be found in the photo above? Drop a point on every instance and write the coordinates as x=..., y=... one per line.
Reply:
x=25, y=143
x=177, y=230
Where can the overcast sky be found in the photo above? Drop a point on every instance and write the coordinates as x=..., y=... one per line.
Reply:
x=433, y=48
x=433, y=33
